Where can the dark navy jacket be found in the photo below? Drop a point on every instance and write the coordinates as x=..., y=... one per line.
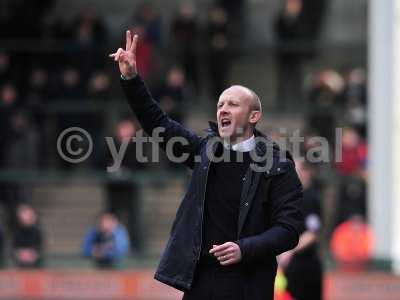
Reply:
x=269, y=217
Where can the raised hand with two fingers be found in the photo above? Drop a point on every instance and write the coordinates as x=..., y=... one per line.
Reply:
x=127, y=58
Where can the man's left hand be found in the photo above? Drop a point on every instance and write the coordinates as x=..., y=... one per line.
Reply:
x=228, y=253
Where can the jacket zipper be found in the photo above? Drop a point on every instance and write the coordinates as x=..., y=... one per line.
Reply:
x=247, y=182
x=202, y=215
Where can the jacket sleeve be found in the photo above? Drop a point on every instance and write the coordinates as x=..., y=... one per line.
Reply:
x=285, y=194
x=87, y=243
x=121, y=242
x=183, y=143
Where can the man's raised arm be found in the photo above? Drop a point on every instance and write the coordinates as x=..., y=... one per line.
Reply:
x=146, y=109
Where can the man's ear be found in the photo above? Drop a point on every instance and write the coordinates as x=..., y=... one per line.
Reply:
x=254, y=117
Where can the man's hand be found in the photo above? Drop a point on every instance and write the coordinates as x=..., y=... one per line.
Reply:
x=285, y=258
x=228, y=253
x=127, y=58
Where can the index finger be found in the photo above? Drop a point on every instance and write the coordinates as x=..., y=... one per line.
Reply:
x=128, y=40
x=219, y=248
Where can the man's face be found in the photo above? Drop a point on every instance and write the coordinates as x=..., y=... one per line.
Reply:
x=107, y=223
x=233, y=113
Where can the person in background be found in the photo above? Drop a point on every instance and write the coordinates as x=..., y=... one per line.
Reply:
x=302, y=265
x=107, y=243
x=352, y=190
x=172, y=94
x=237, y=13
x=145, y=52
x=218, y=54
x=147, y=16
x=297, y=29
x=121, y=190
x=28, y=239
x=355, y=100
x=185, y=32
x=324, y=96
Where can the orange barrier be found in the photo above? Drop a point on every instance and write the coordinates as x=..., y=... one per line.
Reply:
x=361, y=286
x=82, y=285
x=135, y=285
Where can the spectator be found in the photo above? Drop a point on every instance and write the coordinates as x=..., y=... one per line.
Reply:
x=144, y=52
x=7, y=72
x=99, y=85
x=289, y=57
x=28, y=238
x=124, y=131
x=173, y=94
x=184, y=30
x=355, y=100
x=304, y=259
x=107, y=243
x=296, y=29
x=72, y=86
x=90, y=38
x=38, y=85
x=218, y=54
x=22, y=151
x=326, y=89
x=354, y=154
x=353, y=176
x=10, y=191
x=122, y=191
x=236, y=11
x=147, y=17
x=352, y=199
x=8, y=106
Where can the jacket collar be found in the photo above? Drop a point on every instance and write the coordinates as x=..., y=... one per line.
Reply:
x=264, y=144
x=243, y=146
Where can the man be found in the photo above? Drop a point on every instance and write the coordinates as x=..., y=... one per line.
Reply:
x=304, y=259
x=28, y=238
x=107, y=243
x=236, y=216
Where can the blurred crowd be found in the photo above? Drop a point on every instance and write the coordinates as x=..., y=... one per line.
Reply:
x=106, y=243
x=54, y=75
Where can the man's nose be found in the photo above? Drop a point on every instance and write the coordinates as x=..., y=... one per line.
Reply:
x=224, y=110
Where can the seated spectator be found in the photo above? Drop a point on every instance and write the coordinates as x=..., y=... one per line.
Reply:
x=172, y=94
x=7, y=70
x=107, y=243
x=355, y=100
x=99, y=85
x=218, y=45
x=90, y=35
x=28, y=239
x=134, y=156
x=324, y=99
x=147, y=16
x=185, y=34
x=72, y=85
x=144, y=52
x=354, y=154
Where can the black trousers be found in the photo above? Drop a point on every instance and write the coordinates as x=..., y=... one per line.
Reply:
x=215, y=282
x=307, y=287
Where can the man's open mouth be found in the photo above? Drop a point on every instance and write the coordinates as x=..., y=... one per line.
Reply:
x=225, y=123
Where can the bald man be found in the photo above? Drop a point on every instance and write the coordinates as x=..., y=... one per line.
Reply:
x=241, y=208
